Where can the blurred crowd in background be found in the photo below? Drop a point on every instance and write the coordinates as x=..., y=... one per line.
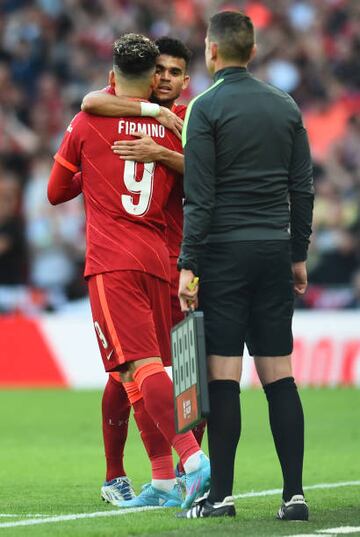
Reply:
x=52, y=52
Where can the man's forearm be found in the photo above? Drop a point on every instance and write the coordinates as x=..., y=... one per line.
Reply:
x=197, y=220
x=171, y=159
x=301, y=211
x=63, y=185
x=301, y=191
x=104, y=104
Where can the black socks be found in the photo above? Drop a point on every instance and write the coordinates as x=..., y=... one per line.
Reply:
x=287, y=426
x=224, y=426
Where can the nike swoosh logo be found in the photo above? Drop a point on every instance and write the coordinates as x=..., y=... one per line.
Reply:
x=108, y=356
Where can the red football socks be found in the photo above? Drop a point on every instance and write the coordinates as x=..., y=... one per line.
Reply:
x=157, y=390
x=115, y=418
x=157, y=447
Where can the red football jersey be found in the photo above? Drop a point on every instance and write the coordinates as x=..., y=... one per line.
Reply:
x=179, y=110
x=124, y=200
x=174, y=208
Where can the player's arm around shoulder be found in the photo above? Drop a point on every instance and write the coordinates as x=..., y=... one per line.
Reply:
x=106, y=103
x=172, y=159
x=145, y=149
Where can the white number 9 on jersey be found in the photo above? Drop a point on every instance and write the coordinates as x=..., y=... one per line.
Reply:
x=143, y=188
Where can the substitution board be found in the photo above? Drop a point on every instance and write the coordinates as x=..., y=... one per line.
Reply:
x=191, y=395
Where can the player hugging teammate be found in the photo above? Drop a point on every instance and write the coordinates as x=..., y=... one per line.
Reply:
x=133, y=222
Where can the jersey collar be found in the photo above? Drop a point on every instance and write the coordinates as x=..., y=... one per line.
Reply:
x=229, y=71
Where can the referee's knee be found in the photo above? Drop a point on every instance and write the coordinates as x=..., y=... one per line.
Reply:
x=224, y=367
x=273, y=368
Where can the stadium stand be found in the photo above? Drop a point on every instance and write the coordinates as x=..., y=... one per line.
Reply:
x=52, y=52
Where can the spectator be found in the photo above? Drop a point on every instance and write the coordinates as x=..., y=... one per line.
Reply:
x=53, y=52
x=13, y=252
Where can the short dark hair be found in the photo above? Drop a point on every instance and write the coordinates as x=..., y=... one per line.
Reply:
x=134, y=55
x=234, y=33
x=174, y=47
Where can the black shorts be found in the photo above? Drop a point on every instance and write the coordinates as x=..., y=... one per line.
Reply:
x=246, y=293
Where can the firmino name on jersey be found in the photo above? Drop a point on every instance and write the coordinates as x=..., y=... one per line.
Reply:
x=150, y=129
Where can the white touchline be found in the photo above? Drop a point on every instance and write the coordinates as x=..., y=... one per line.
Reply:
x=272, y=492
x=303, y=535
x=330, y=531
x=341, y=529
x=79, y=516
x=119, y=512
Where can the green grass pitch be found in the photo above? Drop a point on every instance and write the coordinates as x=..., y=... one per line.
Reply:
x=51, y=463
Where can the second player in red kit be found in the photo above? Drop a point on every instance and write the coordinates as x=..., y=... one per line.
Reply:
x=171, y=79
x=127, y=258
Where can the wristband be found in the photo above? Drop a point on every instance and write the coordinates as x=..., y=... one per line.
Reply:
x=150, y=109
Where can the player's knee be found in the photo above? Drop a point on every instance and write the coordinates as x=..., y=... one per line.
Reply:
x=146, y=370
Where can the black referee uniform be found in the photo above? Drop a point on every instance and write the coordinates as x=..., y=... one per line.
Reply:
x=248, y=211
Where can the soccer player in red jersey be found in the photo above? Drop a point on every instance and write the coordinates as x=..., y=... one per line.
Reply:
x=127, y=261
x=171, y=79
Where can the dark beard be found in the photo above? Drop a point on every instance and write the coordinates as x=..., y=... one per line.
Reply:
x=165, y=103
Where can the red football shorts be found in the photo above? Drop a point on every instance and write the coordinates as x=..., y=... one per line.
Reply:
x=176, y=313
x=132, y=317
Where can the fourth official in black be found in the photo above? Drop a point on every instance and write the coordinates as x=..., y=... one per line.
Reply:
x=248, y=212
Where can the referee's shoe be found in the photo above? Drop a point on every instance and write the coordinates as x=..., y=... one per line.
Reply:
x=202, y=508
x=294, y=509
